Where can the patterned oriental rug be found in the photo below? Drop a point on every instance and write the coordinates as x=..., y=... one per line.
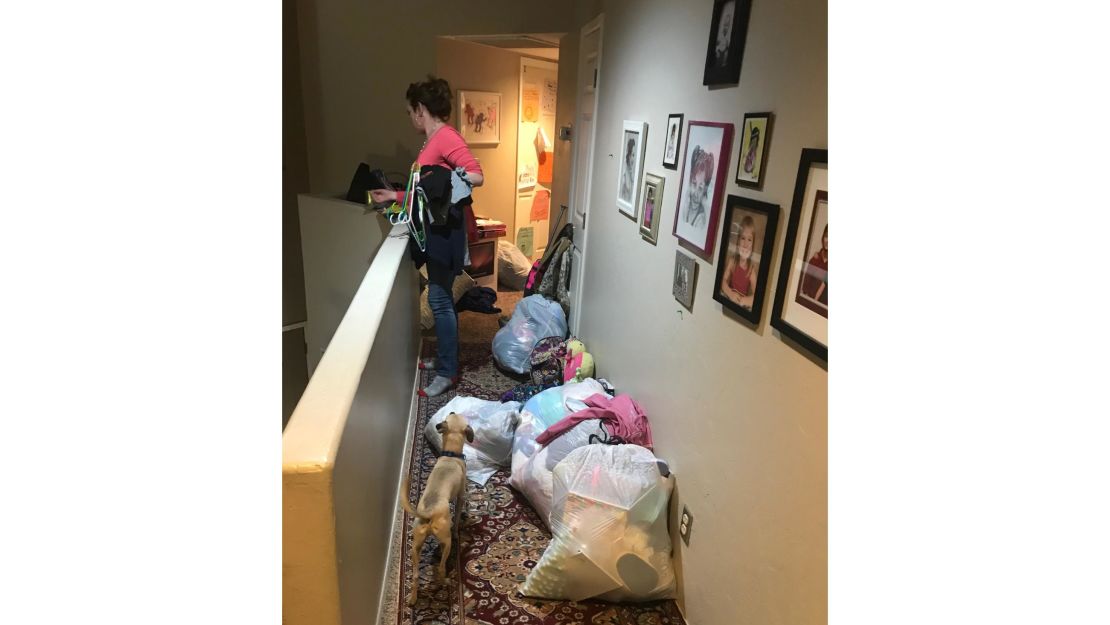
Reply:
x=502, y=537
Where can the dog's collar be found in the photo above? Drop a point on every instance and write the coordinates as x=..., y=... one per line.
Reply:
x=452, y=454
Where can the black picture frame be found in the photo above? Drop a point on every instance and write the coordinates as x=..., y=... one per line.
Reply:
x=761, y=124
x=794, y=266
x=722, y=66
x=764, y=226
x=672, y=125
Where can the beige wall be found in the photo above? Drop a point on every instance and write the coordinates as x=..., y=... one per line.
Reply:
x=294, y=180
x=358, y=58
x=294, y=168
x=740, y=415
x=471, y=66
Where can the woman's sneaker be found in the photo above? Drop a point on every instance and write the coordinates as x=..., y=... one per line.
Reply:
x=439, y=386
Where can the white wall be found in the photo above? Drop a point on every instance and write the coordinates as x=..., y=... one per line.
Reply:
x=740, y=415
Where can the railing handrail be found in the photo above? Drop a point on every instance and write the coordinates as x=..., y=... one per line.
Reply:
x=327, y=399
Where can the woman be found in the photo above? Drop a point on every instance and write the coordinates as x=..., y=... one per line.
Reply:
x=741, y=270
x=429, y=107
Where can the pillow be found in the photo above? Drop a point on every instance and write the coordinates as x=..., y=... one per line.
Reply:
x=463, y=283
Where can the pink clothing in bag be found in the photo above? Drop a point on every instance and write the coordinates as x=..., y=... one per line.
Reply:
x=622, y=416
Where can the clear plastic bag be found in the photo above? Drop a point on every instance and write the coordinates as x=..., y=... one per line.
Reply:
x=533, y=477
x=540, y=412
x=494, y=424
x=609, y=529
x=534, y=318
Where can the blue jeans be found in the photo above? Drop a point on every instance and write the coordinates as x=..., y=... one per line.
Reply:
x=440, y=281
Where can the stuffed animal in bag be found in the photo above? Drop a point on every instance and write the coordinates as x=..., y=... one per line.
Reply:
x=579, y=363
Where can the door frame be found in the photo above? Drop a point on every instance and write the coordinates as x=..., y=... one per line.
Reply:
x=582, y=172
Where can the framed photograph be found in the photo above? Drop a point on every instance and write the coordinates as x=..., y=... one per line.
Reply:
x=480, y=117
x=801, y=309
x=744, y=263
x=673, y=141
x=685, y=278
x=651, y=199
x=704, y=167
x=633, y=144
x=727, y=34
x=755, y=138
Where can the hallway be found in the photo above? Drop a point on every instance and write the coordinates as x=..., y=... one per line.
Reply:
x=502, y=535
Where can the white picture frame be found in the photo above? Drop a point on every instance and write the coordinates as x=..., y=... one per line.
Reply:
x=479, y=117
x=633, y=144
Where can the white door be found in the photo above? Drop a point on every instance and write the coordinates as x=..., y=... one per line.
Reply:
x=589, y=81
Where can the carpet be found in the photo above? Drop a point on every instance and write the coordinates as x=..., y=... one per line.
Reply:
x=502, y=538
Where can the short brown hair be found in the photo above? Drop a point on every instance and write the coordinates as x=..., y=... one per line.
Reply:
x=434, y=94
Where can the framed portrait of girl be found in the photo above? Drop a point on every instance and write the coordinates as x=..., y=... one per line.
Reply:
x=744, y=261
x=651, y=198
x=704, y=167
x=801, y=311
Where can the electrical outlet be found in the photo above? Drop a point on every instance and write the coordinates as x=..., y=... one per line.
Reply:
x=685, y=523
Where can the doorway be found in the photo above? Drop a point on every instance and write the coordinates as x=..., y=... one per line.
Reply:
x=539, y=85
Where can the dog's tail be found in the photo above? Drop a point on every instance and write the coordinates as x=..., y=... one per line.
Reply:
x=404, y=494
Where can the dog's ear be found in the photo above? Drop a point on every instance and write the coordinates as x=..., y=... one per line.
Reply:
x=441, y=426
x=469, y=434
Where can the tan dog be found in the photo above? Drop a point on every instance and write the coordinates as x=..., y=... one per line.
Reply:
x=446, y=483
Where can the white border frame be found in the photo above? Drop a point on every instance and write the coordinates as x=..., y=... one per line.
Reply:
x=802, y=318
x=463, y=94
x=632, y=209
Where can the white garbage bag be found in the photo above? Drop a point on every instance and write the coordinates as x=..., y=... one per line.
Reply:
x=535, y=317
x=533, y=479
x=493, y=423
x=513, y=266
x=609, y=529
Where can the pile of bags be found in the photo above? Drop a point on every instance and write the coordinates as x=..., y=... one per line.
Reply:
x=581, y=458
x=605, y=504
